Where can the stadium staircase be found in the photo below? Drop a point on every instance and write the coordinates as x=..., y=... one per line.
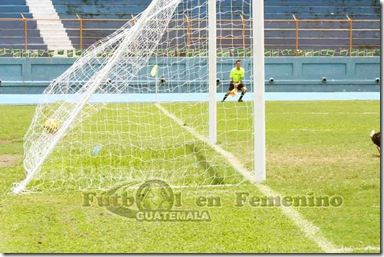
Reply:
x=52, y=29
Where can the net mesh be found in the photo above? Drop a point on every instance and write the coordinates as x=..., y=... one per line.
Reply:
x=117, y=107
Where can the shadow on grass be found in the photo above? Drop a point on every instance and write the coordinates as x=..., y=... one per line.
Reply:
x=217, y=179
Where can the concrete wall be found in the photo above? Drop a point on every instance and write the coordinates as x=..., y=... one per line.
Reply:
x=290, y=74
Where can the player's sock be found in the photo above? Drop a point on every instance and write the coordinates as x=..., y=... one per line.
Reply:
x=241, y=97
x=225, y=97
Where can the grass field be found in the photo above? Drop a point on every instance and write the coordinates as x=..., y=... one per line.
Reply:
x=313, y=148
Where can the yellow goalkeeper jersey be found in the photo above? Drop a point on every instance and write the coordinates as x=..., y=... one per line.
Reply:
x=237, y=75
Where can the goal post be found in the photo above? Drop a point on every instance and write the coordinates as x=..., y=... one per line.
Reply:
x=259, y=90
x=212, y=62
x=258, y=72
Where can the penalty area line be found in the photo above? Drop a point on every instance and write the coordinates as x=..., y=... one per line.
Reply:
x=351, y=249
x=308, y=228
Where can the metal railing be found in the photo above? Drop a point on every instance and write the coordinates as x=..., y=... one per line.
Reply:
x=295, y=34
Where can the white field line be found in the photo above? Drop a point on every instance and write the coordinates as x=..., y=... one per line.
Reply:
x=351, y=249
x=326, y=113
x=235, y=163
x=311, y=231
x=311, y=130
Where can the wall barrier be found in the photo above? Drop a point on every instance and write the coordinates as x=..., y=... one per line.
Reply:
x=283, y=74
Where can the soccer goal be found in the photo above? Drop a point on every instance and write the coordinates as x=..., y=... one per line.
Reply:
x=144, y=103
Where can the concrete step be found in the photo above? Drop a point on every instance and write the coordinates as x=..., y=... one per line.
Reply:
x=52, y=31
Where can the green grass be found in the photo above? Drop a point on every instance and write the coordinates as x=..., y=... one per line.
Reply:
x=312, y=147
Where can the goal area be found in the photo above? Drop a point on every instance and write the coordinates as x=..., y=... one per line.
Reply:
x=145, y=103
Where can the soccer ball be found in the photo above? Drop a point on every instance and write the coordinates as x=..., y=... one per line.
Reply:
x=51, y=126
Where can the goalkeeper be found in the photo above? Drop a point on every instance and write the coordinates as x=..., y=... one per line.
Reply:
x=236, y=76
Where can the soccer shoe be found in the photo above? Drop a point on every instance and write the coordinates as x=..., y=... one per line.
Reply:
x=372, y=133
x=240, y=100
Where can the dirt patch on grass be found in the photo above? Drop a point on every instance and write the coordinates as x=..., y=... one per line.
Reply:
x=8, y=160
x=8, y=141
x=319, y=157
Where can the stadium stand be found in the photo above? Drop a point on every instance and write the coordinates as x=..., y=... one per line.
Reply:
x=274, y=9
x=279, y=35
x=12, y=26
x=100, y=18
x=325, y=9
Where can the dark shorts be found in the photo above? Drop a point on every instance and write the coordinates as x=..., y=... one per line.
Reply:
x=376, y=138
x=232, y=86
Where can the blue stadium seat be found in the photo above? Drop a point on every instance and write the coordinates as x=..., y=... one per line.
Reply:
x=19, y=33
x=13, y=2
x=16, y=24
x=21, y=46
x=14, y=8
x=20, y=40
x=15, y=15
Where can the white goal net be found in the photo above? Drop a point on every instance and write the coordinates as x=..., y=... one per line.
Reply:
x=134, y=106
